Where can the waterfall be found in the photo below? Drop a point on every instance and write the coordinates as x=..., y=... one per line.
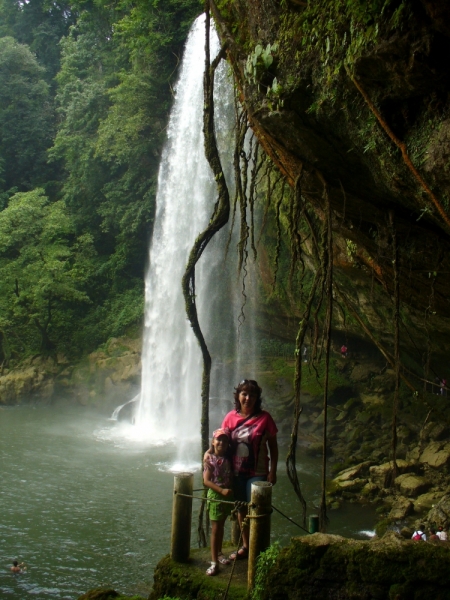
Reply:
x=170, y=405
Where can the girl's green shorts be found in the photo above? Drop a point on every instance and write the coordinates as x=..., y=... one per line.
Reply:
x=217, y=510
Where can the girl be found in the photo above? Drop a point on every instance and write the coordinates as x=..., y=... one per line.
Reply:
x=217, y=477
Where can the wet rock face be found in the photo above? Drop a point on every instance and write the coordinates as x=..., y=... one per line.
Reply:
x=310, y=129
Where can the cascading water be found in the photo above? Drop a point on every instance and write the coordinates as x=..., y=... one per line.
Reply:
x=169, y=409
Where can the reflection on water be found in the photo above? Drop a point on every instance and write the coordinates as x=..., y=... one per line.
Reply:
x=85, y=505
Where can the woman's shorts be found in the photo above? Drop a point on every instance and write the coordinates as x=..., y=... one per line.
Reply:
x=217, y=510
x=242, y=487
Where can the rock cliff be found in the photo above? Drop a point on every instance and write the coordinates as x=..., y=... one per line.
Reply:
x=354, y=97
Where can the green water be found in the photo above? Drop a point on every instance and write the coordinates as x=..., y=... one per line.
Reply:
x=84, y=507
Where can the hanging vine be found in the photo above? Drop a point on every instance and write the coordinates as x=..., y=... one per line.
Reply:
x=219, y=218
x=328, y=284
x=396, y=300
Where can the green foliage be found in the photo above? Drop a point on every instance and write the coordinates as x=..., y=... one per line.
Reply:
x=39, y=24
x=26, y=119
x=43, y=269
x=73, y=263
x=265, y=562
x=330, y=37
x=259, y=61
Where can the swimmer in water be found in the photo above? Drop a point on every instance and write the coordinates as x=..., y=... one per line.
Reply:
x=16, y=568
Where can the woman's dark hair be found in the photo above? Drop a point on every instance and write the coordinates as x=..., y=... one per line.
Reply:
x=251, y=386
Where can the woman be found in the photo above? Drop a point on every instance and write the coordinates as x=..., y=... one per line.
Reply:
x=253, y=438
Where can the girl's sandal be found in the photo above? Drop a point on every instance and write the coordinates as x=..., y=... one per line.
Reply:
x=212, y=570
x=240, y=554
x=223, y=559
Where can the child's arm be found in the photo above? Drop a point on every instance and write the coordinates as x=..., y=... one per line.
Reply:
x=207, y=481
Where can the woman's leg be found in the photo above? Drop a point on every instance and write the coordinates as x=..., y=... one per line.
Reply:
x=220, y=533
x=244, y=528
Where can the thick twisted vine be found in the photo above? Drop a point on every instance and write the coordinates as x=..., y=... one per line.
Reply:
x=219, y=218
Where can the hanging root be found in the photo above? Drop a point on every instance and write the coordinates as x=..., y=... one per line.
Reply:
x=394, y=471
x=268, y=175
x=218, y=220
x=402, y=147
x=291, y=467
x=240, y=176
x=303, y=325
x=295, y=212
x=278, y=245
x=256, y=166
x=328, y=261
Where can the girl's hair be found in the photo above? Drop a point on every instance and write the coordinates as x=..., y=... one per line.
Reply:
x=228, y=451
x=251, y=386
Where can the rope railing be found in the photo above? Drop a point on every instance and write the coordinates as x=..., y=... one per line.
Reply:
x=240, y=504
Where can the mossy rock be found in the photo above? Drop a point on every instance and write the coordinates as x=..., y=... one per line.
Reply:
x=189, y=581
x=320, y=567
x=106, y=594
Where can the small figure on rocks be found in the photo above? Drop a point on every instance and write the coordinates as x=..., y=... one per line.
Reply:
x=443, y=385
x=16, y=568
x=442, y=535
x=419, y=534
x=433, y=537
x=217, y=477
x=344, y=351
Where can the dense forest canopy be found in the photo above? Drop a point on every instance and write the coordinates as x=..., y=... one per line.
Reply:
x=85, y=91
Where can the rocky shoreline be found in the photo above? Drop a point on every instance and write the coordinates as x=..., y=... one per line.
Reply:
x=104, y=379
x=360, y=445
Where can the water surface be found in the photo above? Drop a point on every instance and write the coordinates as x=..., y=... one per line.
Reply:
x=84, y=506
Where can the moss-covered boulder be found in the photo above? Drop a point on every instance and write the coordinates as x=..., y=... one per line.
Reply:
x=380, y=474
x=106, y=594
x=411, y=484
x=189, y=581
x=401, y=508
x=324, y=567
x=440, y=513
x=436, y=454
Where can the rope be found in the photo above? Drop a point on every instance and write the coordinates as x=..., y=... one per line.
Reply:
x=240, y=504
x=289, y=519
x=236, y=503
x=234, y=561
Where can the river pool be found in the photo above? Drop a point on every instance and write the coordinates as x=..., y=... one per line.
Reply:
x=83, y=507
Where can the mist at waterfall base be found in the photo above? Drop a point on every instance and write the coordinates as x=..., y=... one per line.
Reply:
x=170, y=403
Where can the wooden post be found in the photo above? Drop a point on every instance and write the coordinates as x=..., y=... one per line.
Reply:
x=261, y=508
x=313, y=523
x=181, y=517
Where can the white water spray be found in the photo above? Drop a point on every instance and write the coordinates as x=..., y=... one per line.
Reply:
x=170, y=404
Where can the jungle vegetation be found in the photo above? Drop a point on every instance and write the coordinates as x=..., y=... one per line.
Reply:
x=85, y=92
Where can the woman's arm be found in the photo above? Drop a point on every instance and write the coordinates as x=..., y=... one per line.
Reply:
x=273, y=449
